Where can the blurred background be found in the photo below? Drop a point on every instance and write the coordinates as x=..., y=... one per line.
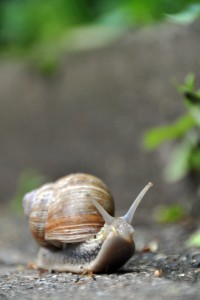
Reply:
x=103, y=87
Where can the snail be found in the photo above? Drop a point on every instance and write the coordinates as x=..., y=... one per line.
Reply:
x=72, y=220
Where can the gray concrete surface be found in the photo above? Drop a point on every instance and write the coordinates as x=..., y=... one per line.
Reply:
x=177, y=266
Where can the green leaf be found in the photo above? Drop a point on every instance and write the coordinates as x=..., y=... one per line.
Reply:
x=169, y=214
x=194, y=159
x=187, y=86
x=156, y=136
x=192, y=97
x=184, y=158
x=178, y=166
x=194, y=240
x=195, y=113
x=190, y=82
x=187, y=16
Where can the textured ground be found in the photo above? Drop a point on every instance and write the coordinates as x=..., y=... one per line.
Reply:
x=170, y=271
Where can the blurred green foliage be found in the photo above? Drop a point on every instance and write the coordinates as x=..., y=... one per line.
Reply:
x=41, y=29
x=169, y=214
x=185, y=158
x=185, y=155
x=28, y=181
x=194, y=240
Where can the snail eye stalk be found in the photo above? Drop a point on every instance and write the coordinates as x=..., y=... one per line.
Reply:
x=107, y=218
x=128, y=217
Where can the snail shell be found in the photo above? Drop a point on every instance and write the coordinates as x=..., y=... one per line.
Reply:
x=62, y=212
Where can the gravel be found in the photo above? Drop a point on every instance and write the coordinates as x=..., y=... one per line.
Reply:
x=162, y=267
x=146, y=274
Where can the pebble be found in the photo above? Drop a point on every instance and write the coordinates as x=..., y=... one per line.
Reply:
x=158, y=273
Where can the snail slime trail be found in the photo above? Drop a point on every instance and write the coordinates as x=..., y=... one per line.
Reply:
x=72, y=219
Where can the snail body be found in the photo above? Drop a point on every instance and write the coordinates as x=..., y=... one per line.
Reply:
x=72, y=220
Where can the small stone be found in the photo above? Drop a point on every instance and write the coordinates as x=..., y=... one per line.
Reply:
x=158, y=273
x=32, y=266
x=197, y=271
x=181, y=275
